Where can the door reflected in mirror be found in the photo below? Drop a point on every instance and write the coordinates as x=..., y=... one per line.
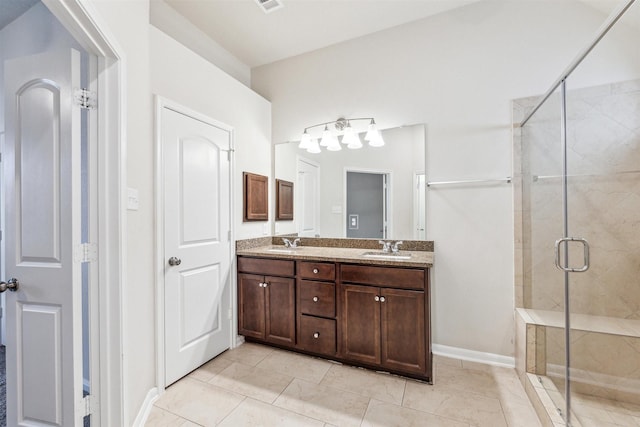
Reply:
x=372, y=192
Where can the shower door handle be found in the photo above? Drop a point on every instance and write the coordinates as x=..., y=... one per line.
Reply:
x=585, y=246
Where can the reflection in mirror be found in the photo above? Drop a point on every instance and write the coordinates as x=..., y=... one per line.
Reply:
x=372, y=192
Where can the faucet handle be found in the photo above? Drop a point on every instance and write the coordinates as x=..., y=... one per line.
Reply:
x=294, y=244
x=287, y=242
x=395, y=246
x=385, y=245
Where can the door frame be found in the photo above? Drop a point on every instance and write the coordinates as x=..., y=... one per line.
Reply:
x=297, y=208
x=388, y=209
x=86, y=25
x=160, y=104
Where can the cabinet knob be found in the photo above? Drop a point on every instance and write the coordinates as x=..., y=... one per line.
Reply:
x=260, y=284
x=376, y=298
x=316, y=271
x=316, y=335
x=381, y=299
x=264, y=285
x=315, y=299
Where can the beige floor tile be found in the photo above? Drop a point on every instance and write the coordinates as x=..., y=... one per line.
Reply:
x=248, y=353
x=199, y=402
x=251, y=381
x=324, y=403
x=454, y=403
x=383, y=414
x=387, y=388
x=297, y=365
x=520, y=414
x=500, y=385
x=442, y=360
x=252, y=413
x=160, y=418
x=211, y=369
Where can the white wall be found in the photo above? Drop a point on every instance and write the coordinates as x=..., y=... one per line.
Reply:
x=184, y=77
x=168, y=20
x=457, y=72
x=128, y=22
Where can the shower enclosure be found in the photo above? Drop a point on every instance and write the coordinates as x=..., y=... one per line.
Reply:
x=577, y=218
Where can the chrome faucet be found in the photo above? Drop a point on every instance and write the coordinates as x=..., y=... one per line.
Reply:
x=386, y=246
x=395, y=248
x=289, y=244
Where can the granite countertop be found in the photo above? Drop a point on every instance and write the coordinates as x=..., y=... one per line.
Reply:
x=338, y=254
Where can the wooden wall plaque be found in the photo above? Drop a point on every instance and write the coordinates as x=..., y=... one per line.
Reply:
x=256, y=197
x=284, y=200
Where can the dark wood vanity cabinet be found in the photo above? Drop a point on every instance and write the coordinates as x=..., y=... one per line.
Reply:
x=385, y=326
x=266, y=303
x=316, y=307
x=375, y=316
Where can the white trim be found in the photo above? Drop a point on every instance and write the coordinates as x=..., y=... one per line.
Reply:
x=146, y=407
x=160, y=104
x=474, y=356
x=90, y=30
x=297, y=209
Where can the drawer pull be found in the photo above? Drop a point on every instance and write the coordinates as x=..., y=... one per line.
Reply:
x=381, y=299
x=315, y=299
x=376, y=298
x=316, y=271
x=316, y=335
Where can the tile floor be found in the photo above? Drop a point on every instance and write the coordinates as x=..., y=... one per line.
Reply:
x=255, y=385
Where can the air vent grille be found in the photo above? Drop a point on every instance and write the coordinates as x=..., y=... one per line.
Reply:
x=269, y=6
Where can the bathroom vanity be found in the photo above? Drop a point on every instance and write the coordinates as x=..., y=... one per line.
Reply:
x=338, y=303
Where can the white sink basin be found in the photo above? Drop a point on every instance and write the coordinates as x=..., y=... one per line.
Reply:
x=386, y=255
x=283, y=250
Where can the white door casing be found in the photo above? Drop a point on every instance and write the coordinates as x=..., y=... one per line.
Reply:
x=42, y=208
x=197, y=232
x=307, y=200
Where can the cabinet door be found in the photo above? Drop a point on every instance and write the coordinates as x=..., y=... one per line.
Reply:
x=251, y=303
x=360, y=323
x=403, y=330
x=280, y=310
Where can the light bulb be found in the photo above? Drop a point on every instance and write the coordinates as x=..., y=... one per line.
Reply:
x=372, y=131
x=355, y=142
x=304, y=141
x=335, y=145
x=327, y=136
x=314, y=147
x=349, y=135
x=377, y=140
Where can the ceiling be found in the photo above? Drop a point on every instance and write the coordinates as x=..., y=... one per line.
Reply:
x=257, y=38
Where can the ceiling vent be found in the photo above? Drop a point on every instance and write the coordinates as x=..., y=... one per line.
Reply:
x=269, y=6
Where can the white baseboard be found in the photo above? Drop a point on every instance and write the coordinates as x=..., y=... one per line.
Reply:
x=146, y=407
x=474, y=356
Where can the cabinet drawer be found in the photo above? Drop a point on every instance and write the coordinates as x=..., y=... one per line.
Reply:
x=267, y=267
x=317, y=298
x=389, y=277
x=317, y=335
x=317, y=270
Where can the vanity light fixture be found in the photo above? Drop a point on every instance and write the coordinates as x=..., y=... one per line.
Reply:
x=330, y=139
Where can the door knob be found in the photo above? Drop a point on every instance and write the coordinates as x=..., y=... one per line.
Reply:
x=11, y=284
x=174, y=261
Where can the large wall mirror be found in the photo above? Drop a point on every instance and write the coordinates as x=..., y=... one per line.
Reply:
x=372, y=192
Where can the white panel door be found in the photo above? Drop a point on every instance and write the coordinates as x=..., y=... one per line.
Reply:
x=308, y=199
x=196, y=230
x=42, y=208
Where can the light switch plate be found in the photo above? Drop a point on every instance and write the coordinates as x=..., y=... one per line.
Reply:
x=132, y=199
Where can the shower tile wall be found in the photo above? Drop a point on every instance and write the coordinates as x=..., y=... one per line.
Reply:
x=603, y=140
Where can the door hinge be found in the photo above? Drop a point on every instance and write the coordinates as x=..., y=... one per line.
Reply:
x=89, y=405
x=85, y=99
x=86, y=252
